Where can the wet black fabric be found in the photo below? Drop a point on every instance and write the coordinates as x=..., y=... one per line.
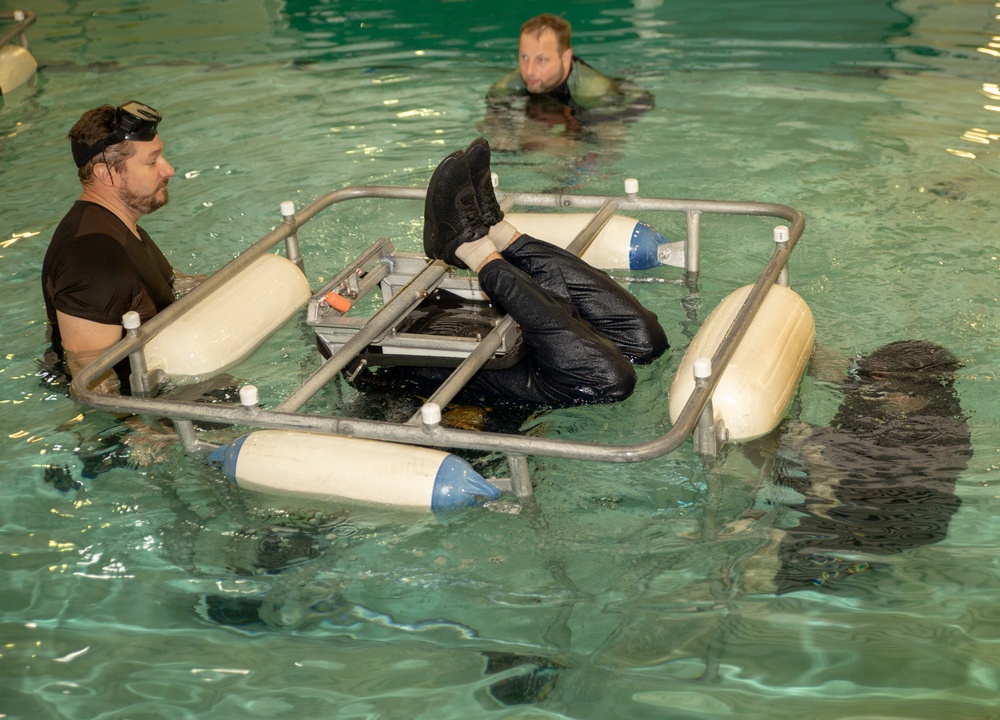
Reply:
x=881, y=479
x=609, y=309
x=581, y=327
x=583, y=331
x=96, y=269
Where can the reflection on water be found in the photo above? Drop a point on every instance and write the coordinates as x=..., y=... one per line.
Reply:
x=587, y=140
x=628, y=591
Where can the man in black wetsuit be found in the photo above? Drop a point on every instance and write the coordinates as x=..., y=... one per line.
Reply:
x=881, y=479
x=582, y=329
x=555, y=100
x=100, y=264
x=548, y=67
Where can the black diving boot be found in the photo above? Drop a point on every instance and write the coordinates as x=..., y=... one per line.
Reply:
x=478, y=155
x=451, y=215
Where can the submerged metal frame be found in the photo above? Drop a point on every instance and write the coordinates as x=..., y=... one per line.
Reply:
x=424, y=428
x=22, y=18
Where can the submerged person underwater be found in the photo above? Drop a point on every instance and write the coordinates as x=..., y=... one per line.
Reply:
x=879, y=480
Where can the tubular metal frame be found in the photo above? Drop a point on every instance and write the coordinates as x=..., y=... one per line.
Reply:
x=23, y=18
x=695, y=418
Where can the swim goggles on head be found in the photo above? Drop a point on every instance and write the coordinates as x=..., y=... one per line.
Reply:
x=133, y=121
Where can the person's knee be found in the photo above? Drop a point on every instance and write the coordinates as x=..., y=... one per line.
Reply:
x=623, y=382
x=622, y=388
x=650, y=345
x=614, y=384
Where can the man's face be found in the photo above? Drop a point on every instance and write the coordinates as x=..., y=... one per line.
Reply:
x=144, y=180
x=543, y=67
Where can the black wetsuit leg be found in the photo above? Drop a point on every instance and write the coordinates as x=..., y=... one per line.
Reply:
x=567, y=361
x=602, y=303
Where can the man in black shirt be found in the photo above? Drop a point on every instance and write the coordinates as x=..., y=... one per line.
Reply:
x=100, y=264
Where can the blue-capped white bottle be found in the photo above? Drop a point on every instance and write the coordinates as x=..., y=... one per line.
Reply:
x=623, y=244
x=313, y=465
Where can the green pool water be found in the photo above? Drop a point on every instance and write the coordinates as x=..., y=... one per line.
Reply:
x=637, y=591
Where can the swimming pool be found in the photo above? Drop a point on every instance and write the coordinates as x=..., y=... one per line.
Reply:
x=876, y=120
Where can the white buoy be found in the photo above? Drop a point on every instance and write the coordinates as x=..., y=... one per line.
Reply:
x=764, y=372
x=228, y=325
x=624, y=243
x=17, y=66
x=313, y=465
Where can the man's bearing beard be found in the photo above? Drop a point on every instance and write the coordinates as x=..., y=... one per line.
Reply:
x=143, y=204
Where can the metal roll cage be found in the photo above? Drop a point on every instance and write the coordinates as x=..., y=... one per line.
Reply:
x=424, y=428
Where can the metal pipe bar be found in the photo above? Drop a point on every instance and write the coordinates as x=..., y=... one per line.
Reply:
x=188, y=436
x=520, y=478
x=437, y=344
x=721, y=207
x=388, y=315
x=377, y=249
x=20, y=29
x=593, y=228
x=475, y=360
x=692, y=242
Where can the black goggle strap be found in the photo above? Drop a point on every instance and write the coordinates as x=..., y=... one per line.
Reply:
x=133, y=121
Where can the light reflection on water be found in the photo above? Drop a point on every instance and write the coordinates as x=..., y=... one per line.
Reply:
x=617, y=584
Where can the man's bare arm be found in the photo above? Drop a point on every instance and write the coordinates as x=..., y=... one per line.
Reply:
x=83, y=342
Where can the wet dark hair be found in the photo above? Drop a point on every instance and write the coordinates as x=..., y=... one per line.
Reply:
x=900, y=379
x=92, y=126
x=911, y=361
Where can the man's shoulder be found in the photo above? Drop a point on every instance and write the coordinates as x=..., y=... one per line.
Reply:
x=88, y=218
x=587, y=82
x=87, y=231
x=98, y=220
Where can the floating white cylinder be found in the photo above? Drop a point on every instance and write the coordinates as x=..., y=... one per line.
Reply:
x=228, y=325
x=17, y=65
x=313, y=465
x=624, y=242
x=764, y=372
